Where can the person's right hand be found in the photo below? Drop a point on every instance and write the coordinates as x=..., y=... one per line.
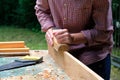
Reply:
x=49, y=37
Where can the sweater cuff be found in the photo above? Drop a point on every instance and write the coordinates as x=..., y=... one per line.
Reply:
x=87, y=35
x=46, y=26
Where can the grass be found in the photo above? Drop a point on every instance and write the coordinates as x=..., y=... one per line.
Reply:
x=33, y=40
x=116, y=51
x=36, y=41
x=115, y=73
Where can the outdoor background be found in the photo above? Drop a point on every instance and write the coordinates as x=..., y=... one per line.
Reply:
x=19, y=23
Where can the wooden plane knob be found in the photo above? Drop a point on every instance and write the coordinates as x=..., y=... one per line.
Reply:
x=60, y=47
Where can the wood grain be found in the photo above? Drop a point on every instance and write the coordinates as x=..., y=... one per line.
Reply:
x=12, y=44
x=14, y=50
x=26, y=77
x=47, y=70
x=75, y=69
x=11, y=54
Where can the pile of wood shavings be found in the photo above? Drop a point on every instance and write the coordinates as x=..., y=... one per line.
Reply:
x=48, y=70
x=47, y=74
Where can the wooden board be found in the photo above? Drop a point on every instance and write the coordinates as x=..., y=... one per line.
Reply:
x=75, y=69
x=12, y=44
x=7, y=54
x=14, y=50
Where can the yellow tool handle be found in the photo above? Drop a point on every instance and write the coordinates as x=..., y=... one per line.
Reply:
x=30, y=58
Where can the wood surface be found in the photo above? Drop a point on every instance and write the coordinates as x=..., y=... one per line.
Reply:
x=25, y=77
x=47, y=70
x=12, y=44
x=13, y=48
x=75, y=69
x=12, y=54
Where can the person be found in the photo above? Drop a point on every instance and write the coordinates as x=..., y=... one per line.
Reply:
x=85, y=25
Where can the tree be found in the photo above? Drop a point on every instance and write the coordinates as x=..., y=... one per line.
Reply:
x=20, y=13
x=116, y=21
x=8, y=11
x=1, y=12
x=26, y=14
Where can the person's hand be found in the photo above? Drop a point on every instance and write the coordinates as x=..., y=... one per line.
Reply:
x=62, y=36
x=49, y=37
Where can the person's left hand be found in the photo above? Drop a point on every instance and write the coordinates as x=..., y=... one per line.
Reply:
x=62, y=36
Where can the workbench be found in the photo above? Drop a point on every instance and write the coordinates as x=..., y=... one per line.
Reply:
x=58, y=63
x=48, y=69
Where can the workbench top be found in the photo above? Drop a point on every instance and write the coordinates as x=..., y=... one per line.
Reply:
x=46, y=69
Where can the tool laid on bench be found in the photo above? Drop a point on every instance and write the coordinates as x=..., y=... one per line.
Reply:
x=75, y=69
x=21, y=63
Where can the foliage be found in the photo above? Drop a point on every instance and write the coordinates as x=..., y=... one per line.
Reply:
x=7, y=11
x=116, y=9
x=116, y=21
x=1, y=12
x=115, y=73
x=26, y=15
x=19, y=12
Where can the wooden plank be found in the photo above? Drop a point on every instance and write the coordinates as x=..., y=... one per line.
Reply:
x=12, y=44
x=14, y=49
x=75, y=69
x=7, y=54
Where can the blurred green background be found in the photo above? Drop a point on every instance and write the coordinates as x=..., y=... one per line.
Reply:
x=18, y=22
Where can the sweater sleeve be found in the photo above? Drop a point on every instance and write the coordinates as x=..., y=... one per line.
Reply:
x=102, y=16
x=43, y=14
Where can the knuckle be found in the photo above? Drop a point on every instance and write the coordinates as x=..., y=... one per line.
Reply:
x=65, y=29
x=67, y=33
